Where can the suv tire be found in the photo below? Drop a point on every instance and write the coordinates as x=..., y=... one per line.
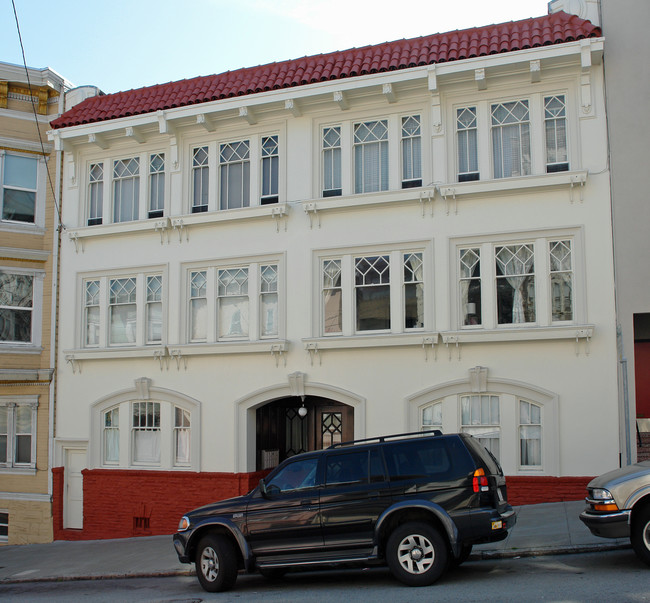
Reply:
x=216, y=563
x=416, y=554
x=640, y=534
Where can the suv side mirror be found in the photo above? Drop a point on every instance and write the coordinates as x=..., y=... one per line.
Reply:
x=263, y=491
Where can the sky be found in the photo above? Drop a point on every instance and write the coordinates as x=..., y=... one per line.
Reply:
x=122, y=44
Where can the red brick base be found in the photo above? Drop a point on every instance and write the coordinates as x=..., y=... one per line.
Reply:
x=125, y=503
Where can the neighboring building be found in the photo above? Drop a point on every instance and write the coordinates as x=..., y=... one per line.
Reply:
x=387, y=239
x=627, y=83
x=28, y=264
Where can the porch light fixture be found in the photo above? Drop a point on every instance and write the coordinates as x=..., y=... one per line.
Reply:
x=302, y=411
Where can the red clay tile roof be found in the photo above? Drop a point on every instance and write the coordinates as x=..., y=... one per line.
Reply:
x=551, y=29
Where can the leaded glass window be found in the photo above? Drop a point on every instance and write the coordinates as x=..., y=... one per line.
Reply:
x=561, y=269
x=123, y=311
x=467, y=141
x=332, y=297
x=411, y=152
x=371, y=156
x=146, y=432
x=530, y=434
x=198, y=305
x=372, y=288
x=126, y=189
x=480, y=417
x=16, y=307
x=234, y=160
x=200, y=180
x=270, y=170
x=91, y=313
x=154, y=309
x=515, y=276
x=95, y=194
x=470, y=285
x=332, y=161
x=511, y=139
x=156, y=185
x=232, y=293
x=269, y=300
x=556, y=133
x=413, y=291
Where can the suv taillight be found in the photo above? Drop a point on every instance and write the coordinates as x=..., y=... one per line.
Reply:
x=479, y=481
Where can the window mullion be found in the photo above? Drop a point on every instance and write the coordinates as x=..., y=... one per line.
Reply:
x=396, y=291
x=536, y=117
x=103, y=311
x=347, y=158
x=484, y=139
x=254, y=293
x=394, y=142
x=347, y=294
x=488, y=286
x=255, y=167
x=140, y=314
x=542, y=277
x=211, y=305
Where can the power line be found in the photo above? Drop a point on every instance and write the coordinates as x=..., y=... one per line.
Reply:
x=38, y=129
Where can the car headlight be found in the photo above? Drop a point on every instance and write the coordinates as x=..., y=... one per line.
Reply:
x=183, y=524
x=602, y=494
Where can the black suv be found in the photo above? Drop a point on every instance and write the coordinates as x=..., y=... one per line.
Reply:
x=416, y=502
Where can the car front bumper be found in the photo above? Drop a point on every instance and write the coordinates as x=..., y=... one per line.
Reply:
x=607, y=525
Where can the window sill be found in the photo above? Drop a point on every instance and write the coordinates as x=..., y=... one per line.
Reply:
x=167, y=226
x=573, y=332
x=30, y=229
x=416, y=195
x=569, y=180
x=9, y=348
x=17, y=470
x=421, y=338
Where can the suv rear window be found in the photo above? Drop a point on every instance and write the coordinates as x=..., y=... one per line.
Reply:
x=435, y=458
x=491, y=464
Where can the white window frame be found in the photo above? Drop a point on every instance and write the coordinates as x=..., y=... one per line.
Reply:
x=411, y=174
x=200, y=165
x=4, y=525
x=10, y=404
x=436, y=408
x=241, y=156
x=157, y=185
x=270, y=169
x=331, y=166
x=472, y=141
x=126, y=184
x=540, y=241
x=38, y=278
x=520, y=426
x=556, y=118
x=346, y=285
x=124, y=402
x=95, y=194
x=255, y=292
x=141, y=302
x=39, y=191
x=483, y=102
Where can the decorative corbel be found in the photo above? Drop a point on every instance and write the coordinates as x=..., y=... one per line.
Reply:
x=161, y=356
x=73, y=362
x=177, y=223
x=578, y=180
x=481, y=80
x=163, y=227
x=291, y=105
x=98, y=140
x=427, y=198
x=206, y=121
x=341, y=100
x=312, y=350
x=248, y=114
x=536, y=71
x=131, y=132
x=164, y=125
x=445, y=193
x=277, y=352
x=586, y=335
x=178, y=356
x=453, y=340
x=389, y=93
x=311, y=209
x=430, y=342
x=78, y=243
x=279, y=214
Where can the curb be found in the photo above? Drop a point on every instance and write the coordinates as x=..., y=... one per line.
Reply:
x=482, y=556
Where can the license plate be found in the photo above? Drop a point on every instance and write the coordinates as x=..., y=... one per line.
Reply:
x=497, y=525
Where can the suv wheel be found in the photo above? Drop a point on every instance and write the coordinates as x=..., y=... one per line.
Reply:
x=416, y=554
x=640, y=534
x=216, y=563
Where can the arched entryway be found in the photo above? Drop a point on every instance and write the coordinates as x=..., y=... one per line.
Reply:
x=290, y=426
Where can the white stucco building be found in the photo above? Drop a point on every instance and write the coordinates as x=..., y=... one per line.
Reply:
x=409, y=236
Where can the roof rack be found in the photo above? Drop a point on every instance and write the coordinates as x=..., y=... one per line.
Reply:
x=381, y=439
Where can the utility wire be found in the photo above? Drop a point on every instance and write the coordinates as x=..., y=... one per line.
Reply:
x=38, y=129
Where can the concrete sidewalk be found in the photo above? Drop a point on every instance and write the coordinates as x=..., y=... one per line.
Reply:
x=551, y=528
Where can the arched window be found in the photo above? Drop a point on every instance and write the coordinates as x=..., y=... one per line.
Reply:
x=431, y=417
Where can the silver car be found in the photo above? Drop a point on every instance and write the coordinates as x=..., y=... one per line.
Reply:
x=618, y=506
